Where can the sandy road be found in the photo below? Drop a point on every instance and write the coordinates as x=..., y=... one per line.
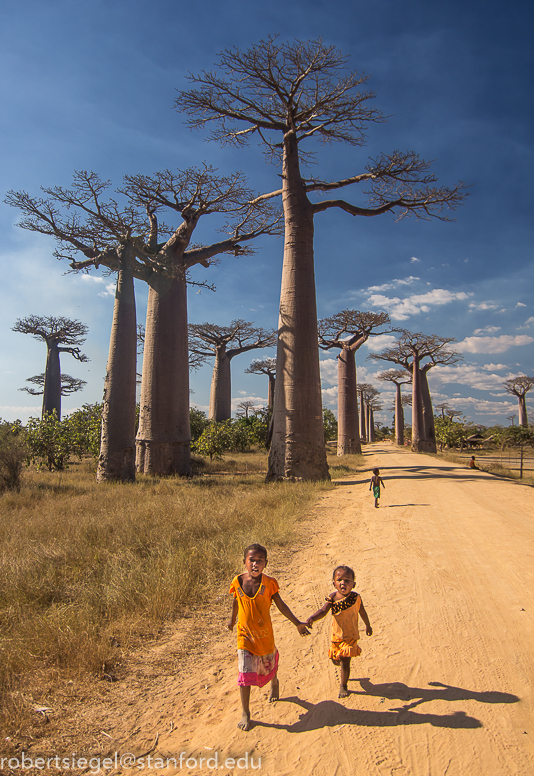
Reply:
x=445, y=567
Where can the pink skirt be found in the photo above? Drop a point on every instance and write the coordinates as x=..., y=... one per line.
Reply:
x=256, y=670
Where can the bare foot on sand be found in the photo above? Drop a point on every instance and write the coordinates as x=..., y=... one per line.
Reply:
x=343, y=691
x=244, y=723
x=275, y=690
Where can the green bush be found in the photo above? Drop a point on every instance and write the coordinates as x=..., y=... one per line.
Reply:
x=13, y=455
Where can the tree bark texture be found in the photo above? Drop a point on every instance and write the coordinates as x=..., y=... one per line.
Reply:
x=164, y=434
x=270, y=391
x=52, y=383
x=117, y=447
x=522, y=420
x=370, y=424
x=363, y=418
x=348, y=434
x=399, y=417
x=221, y=387
x=428, y=415
x=297, y=447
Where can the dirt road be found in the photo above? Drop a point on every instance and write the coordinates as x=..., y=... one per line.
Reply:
x=444, y=686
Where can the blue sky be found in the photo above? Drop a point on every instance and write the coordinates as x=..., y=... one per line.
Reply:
x=91, y=85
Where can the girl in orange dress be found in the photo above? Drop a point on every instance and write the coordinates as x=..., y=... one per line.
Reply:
x=346, y=606
x=257, y=655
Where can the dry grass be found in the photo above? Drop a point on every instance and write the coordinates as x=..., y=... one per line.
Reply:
x=488, y=466
x=86, y=567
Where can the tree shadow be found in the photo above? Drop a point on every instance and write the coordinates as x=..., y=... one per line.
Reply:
x=332, y=714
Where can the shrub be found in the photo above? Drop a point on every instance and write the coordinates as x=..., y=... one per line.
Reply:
x=13, y=455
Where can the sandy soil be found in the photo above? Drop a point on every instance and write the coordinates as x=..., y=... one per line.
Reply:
x=445, y=569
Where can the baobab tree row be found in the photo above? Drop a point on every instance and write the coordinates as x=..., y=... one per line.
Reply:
x=289, y=95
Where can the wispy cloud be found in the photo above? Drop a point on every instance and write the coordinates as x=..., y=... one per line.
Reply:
x=483, y=306
x=493, y=344
x=487, y=330
x=414, y=260
x=520, y=304
x=394, y=284
x=528, y=323
x=466, y=374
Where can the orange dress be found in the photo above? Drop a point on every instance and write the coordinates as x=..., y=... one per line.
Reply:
x=256, y=650
x=345, y=633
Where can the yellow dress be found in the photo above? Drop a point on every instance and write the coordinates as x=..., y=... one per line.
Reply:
x=345, y=633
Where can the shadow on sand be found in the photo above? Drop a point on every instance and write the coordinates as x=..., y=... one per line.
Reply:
x=333, y=714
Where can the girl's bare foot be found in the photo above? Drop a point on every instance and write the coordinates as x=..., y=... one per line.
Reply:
x=343, y=691
x=244, y=723
x=275, y=690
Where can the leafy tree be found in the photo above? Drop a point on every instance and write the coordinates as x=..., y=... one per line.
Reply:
x=56, y=332
x=199, y=421
x=449, y=432
x=348, y=331
x=287, y=95
x=519, y=386
x=85, y=429
x=214, y=440
x=50, y=442
x=225, y=342
x=330, y=425
x=13, y=455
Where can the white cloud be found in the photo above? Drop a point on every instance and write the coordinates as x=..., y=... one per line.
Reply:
x=520, y=304
x=487, y=330
x=528, y=323
x=330, y=396
x=394, y=284
x=484, y=406
x=492, y=344
x=380, y=342
x=483, y=306
x=91, y=279
x=258, y=402
x=110, y=290
x=413, y=260
x=329, y=371
x=401, y=309
x=465, y=374
x=494, y=367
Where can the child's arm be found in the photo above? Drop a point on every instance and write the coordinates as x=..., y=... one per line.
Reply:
x=286, y=611
x=319, y=614
x=365, y=618
x=382, y=481
x=233, y=617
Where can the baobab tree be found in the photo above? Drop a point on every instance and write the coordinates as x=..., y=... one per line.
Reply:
x=129, y=239
x=68, y=384
x=366, y=393
x=411, y=352
x=244, y=407
x=226, y=342
x=520, y=386
x=289, y=94
x=373, y=405
x=61, y=335
x=348, y=331
x=267, y=367
x=398, y=377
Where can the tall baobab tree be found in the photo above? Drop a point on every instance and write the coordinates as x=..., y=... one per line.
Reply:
x=61, y=335
x=367, y=393
x=226, y=342
x=348, y=331
x=267, y=366
x=398, y=377
x=520, y=386
x=373, y=405
x=411, y=352
x=289, y=94
x=128, y=238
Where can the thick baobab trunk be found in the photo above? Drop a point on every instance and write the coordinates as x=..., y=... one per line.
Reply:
x=52, y=383
x=419, y=442
x=164, y=434
x=297, y=447
x=117, y=446
x=428, y=415
x=270, y=393
x=363, y=416
x=221, y=388
x=348, y=434
x=523, y=420
x=399, y=417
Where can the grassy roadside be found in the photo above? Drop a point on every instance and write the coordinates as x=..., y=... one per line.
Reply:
x=488, y=466
x=88, y=571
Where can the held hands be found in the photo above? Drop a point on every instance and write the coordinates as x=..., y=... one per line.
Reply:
x=309, y=622
x=302, y=629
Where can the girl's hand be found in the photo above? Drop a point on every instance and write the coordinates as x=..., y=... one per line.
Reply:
x=309, y=622
x=369, y=630
x=230, y=625
x=302, y=629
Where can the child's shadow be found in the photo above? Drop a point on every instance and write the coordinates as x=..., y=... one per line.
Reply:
x=401, y=692
x=333, y=714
